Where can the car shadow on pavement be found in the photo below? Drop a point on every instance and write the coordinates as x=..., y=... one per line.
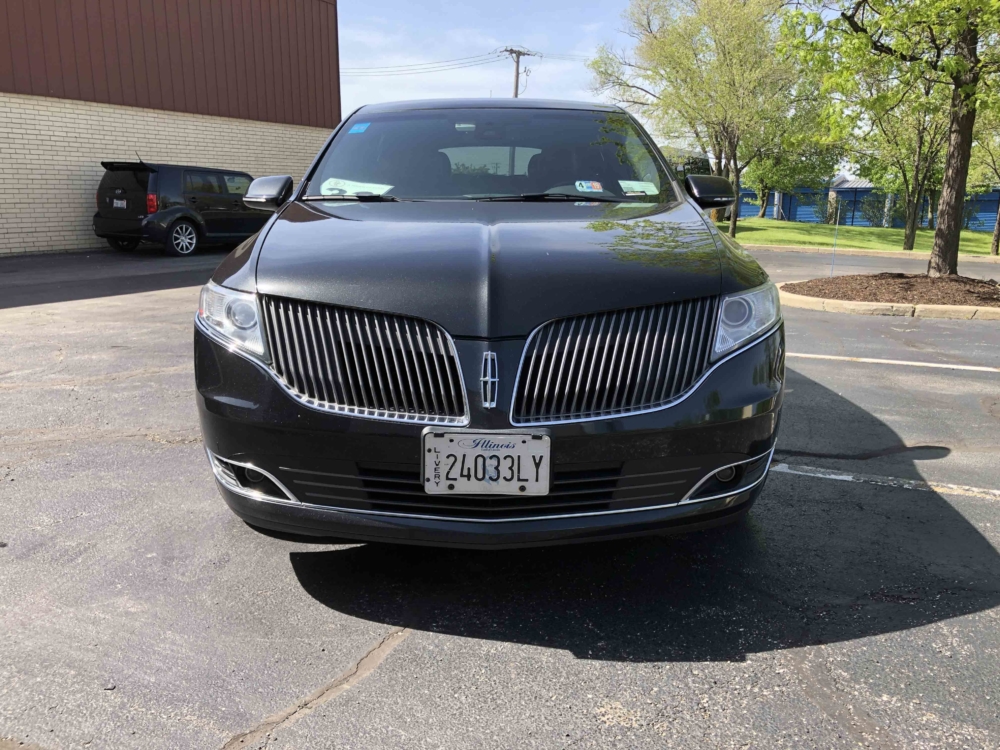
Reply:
x=817, y=561
x=64, y=277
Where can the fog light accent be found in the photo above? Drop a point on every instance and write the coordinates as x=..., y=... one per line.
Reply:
x=726, y=475
x=248, y=480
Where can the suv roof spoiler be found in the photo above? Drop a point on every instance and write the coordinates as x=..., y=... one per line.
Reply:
x=128, y=166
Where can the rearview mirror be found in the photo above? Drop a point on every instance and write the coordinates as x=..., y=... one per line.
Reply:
x=709, y=191
x=268, y=193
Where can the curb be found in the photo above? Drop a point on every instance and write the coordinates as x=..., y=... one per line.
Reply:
x=962, y=257
x=896, y=309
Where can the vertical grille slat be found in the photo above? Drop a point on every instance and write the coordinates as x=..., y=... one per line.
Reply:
x=294, y=368
x=449, y=364
x=611, y=363
x=365, y=363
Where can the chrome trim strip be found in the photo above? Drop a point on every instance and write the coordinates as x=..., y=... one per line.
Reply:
x=350, y=411
x=683, y=501
x=697, y=384
x=240, y=489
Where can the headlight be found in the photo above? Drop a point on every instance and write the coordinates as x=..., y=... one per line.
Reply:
x=745, y=315
x=232, y=316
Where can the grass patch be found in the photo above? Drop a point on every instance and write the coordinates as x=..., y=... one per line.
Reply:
x=772, y=232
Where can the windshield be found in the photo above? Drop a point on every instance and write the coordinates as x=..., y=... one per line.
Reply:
x=492, y=153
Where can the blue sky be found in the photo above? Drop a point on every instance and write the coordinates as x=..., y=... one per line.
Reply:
x=401, y=32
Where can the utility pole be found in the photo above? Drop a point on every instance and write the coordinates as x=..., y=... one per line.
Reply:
x=516, y=54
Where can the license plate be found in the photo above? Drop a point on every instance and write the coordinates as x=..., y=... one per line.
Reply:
x=119, y=203
x=485, y=463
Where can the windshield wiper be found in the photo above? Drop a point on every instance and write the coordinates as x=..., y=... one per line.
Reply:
x=362, y=198
x=556, y=196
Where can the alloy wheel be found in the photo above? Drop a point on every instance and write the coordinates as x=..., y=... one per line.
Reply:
x=184, y=239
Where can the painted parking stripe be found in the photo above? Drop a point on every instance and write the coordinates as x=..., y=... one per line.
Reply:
x=907, y=484
x=872, y=361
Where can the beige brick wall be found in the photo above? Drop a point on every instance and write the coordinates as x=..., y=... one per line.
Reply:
x=51, y=149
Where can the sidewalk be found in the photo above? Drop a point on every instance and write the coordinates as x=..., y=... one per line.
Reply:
x=962, y=257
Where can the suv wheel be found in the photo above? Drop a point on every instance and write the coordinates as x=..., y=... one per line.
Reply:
x=126, y=246
x=183, y=239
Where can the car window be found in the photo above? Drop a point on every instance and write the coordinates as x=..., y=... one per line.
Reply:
x=476, y=153
x=202, y=182
x=236, y=184
x=497, y=160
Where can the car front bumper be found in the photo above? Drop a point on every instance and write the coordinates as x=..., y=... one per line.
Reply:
x=249, y=420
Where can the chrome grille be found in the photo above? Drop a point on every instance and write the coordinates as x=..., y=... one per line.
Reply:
x=365, y=363
x=613, y=363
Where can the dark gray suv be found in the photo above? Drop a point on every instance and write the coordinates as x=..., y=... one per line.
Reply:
x=178, y=207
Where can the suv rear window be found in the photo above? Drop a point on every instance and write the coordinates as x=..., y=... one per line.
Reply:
x=236, y=184
x=202, y=182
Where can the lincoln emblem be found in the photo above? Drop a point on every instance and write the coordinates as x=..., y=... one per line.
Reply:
x=489, y=380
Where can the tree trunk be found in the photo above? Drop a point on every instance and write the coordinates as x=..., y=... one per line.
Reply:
x=763, y=202
x=914, y=195
x=718, y=170
x=951, y=208
x=932, y=198
x=995, y=245
x=912, y=220
x=735, y=213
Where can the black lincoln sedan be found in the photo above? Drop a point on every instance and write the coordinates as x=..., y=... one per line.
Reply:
x=489, y=323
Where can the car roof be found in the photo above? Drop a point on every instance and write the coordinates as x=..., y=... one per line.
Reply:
x=155, y=167
x=488, y=104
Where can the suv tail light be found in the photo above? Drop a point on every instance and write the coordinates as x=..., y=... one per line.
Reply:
x=97, y=199
x=151, y=203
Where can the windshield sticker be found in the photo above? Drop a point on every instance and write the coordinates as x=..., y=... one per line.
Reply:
x=586, y=203
x=465, y=127
x=333, y=186
x=635, y=187
x=361, y=127
x=589, y=186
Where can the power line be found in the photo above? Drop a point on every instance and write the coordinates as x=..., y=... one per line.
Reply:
x=573, y=58
x=422, y=65
x=424, y=70
x=458, y=63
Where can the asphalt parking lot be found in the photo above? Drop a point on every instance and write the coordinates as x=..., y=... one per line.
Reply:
x=859, y=604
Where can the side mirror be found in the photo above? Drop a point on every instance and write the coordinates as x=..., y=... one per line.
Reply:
x=709, y=191
x=268, y=193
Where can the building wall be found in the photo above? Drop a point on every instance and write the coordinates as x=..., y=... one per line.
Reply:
x=274, y=60
x=51, y=149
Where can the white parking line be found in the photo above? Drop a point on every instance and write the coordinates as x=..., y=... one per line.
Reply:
x=907, y=484
x=872, y=361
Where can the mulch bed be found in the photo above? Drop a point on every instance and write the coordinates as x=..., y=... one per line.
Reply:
x=902, y=288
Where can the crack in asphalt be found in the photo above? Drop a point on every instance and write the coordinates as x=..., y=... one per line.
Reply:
x=348, y=679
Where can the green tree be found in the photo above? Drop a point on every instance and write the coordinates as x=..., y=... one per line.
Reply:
x=948, y=42
x=706, y=73
x=803, y=151
x=985, y=161
x=901, y=133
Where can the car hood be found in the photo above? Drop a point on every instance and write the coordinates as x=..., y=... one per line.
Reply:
x=489, y=269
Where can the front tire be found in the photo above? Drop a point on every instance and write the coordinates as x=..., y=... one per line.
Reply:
x=183, y=239
x=125, y=246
